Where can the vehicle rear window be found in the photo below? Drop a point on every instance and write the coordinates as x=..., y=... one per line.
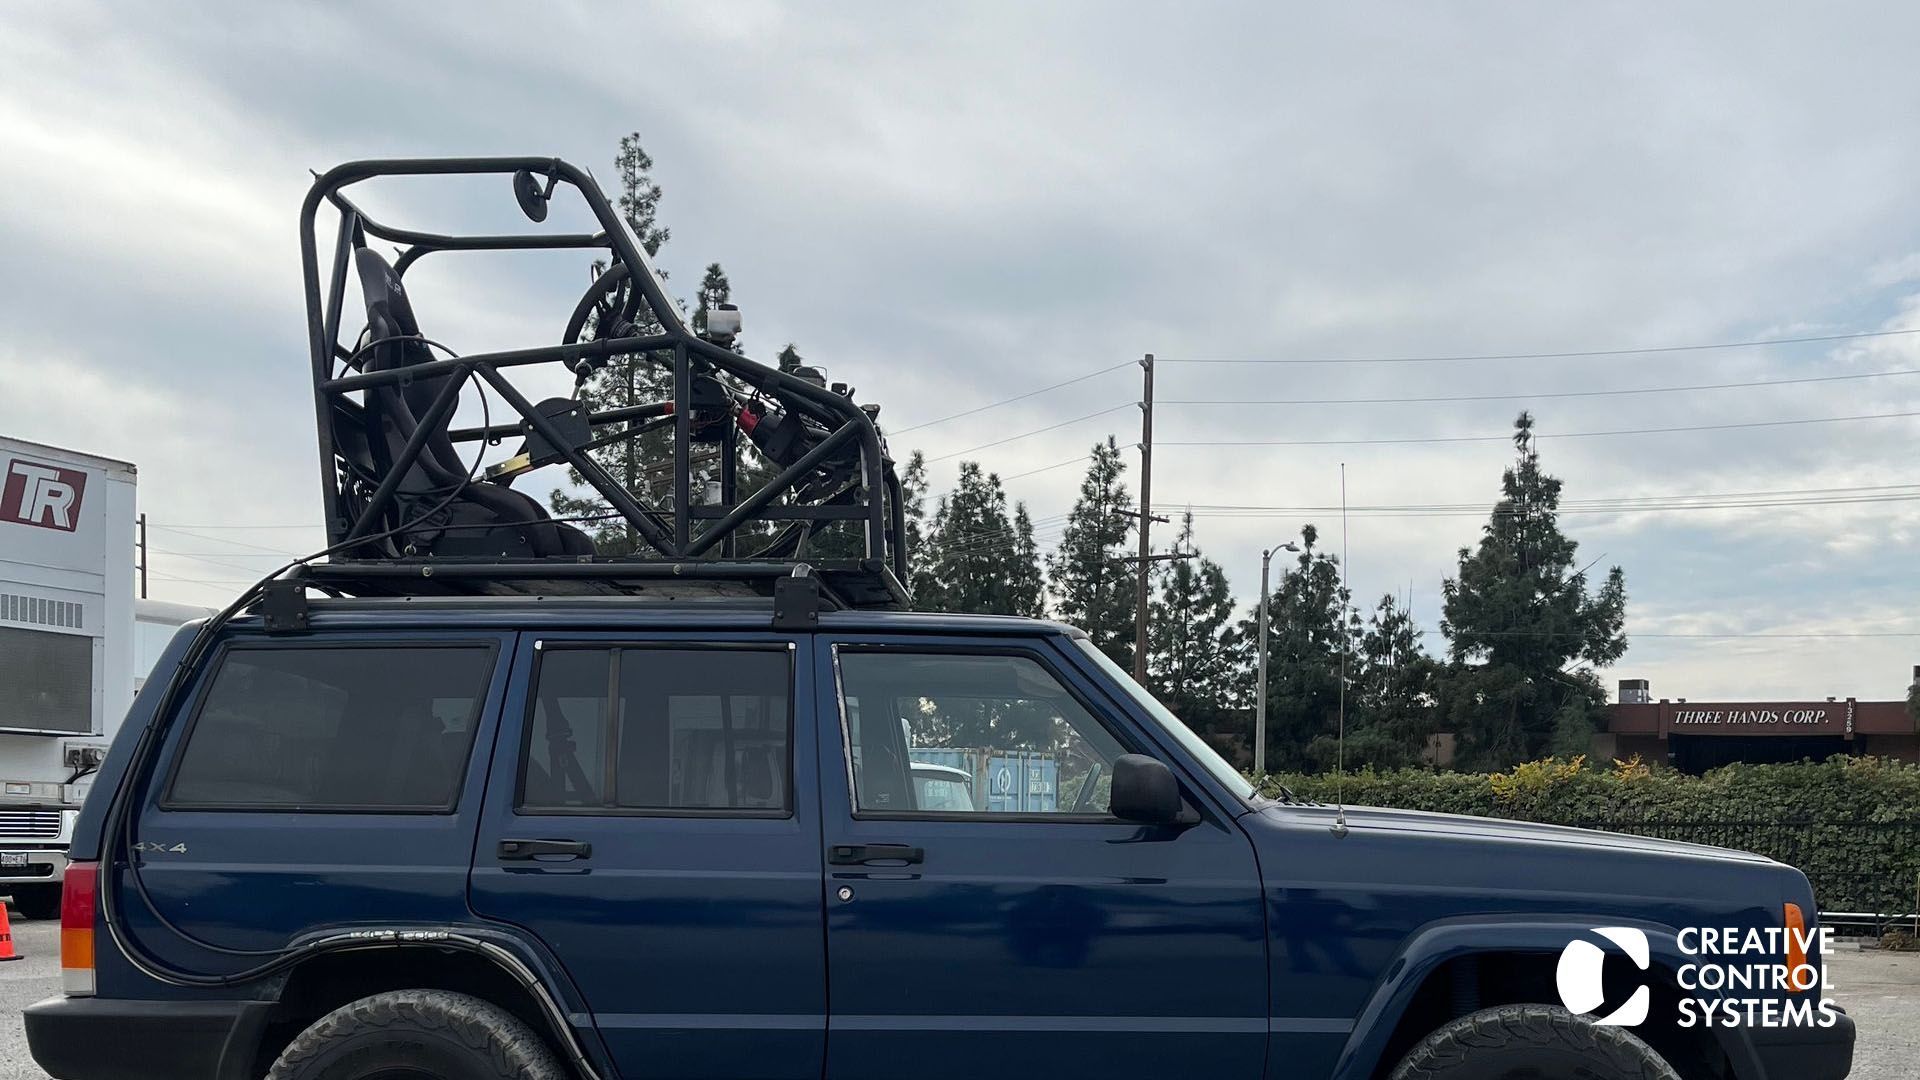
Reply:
x=694, y=730
x=340, y=728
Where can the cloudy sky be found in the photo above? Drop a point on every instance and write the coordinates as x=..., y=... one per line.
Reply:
x=948, y=206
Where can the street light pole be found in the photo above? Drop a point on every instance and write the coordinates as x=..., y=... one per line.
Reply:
x=1260, y=692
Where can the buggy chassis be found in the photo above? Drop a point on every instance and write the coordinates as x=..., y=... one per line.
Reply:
x=714, y=390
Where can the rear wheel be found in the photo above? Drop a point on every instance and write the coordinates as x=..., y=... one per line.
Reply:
x=417, y=1035
x=1531, y=1042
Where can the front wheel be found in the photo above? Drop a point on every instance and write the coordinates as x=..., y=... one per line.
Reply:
x=1531, y=1042
x=417, y=1035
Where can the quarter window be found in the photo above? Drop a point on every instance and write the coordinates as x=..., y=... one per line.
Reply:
x=971, y=734
x=659, y=729
x=341, y=728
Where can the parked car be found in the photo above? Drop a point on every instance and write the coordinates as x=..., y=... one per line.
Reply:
x=493, y=837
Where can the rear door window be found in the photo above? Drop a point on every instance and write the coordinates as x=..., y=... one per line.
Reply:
x=341, y=728
x=661, y=730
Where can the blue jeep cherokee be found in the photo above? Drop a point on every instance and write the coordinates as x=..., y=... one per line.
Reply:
x=500, y=804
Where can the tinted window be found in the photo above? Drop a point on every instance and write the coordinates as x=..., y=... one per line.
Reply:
x=971, y=734
x=693, y=729
x=46, y=680
x=335, y=729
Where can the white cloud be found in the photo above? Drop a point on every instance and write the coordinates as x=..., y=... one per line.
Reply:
x=951, y=206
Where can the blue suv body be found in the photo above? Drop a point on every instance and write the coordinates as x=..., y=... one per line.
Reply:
x=677, y=841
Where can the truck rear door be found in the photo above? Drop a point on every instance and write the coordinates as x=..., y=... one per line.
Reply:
x=645, y=821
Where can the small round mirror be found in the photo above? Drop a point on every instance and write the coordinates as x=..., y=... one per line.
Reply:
x=526, y=190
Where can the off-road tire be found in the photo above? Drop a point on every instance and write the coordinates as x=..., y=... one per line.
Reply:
x=431, y=1032
x=1531, y=1042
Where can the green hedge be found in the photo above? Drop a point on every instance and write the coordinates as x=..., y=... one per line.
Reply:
x=1851, y=824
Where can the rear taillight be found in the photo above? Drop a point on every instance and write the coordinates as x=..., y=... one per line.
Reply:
x=1799, y=975
x=79, y=903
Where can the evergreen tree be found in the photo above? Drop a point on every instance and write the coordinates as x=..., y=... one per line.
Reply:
x=1391, y=708
x=1190, y=667
x=789, y=359
x=1092, y=588
x=971, y=553
x=1520, y=621
x=625, y=380
x=913, y=500
x=1027, y=588
x=1308, y=627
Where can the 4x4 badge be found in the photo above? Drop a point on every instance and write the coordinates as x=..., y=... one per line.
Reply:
x=155, y=848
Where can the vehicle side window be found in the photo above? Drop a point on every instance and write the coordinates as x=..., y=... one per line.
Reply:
x=339, y=728
x=982, y=734
x=691, y=729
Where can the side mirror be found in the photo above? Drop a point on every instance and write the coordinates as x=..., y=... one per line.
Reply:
x=532, y=200
x=1145, y=791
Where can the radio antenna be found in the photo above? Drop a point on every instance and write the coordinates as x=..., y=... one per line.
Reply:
x=1346, y=639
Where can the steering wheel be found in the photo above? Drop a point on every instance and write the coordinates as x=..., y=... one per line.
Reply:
x=610, y=301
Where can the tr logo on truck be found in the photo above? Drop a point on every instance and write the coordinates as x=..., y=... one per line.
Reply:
x=45, y=496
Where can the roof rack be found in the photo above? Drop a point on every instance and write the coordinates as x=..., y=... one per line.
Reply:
x=798, y=480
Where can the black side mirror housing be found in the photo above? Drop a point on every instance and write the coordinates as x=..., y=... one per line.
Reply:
x=532, y=200
x=1145, y=792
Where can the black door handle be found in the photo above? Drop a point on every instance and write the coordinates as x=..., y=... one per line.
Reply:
x=533, y=849
x=875, y=854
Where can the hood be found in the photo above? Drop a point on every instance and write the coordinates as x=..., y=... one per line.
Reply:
x=1458, y=827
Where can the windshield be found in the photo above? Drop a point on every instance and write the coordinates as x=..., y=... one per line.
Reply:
x=1192, y=743
x=941, y=793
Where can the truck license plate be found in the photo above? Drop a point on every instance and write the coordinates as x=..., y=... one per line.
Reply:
x=13, y=860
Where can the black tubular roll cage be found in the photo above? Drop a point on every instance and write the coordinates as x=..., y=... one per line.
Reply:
x=679, y=550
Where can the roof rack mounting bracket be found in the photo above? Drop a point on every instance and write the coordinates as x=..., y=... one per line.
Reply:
x=796, y=603
x=283, y=603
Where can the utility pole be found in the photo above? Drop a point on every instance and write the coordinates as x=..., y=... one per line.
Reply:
x=1146, y=523
x=142, y=545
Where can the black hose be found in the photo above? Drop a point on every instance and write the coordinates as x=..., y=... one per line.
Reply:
x=120, y=825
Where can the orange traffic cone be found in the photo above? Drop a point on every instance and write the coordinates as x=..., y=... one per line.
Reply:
x=6, y=937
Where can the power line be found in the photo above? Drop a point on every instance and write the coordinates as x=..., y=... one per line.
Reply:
x=1630, y=634
x=1011, y=400
x=1600, y=505
x=1554, y=394
x=1568, y=355
x=1049, y=468
x=1542, y=435
x=1026, y=434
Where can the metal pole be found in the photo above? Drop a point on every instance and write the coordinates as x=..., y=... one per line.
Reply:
x=1260, y=710
x=1146, y=524
x=143, y=555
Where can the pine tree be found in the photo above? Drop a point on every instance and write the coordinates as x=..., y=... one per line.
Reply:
x=625, y=380
x=913, y=503
x=1520, y=622
x=1391, y=707
x=1092, y=588
x=972, y=550
x=1027, y=588
x=1308, y=627
x=789, y=359
x=1190, y=667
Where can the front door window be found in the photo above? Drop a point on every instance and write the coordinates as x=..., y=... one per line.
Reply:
x=952, y=733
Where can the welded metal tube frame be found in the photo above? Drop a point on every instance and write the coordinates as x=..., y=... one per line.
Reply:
x=879, y=484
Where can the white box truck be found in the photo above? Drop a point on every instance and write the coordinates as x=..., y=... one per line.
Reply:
x=66, y=650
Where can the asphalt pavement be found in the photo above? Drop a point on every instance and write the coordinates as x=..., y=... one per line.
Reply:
x=1880, y=990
